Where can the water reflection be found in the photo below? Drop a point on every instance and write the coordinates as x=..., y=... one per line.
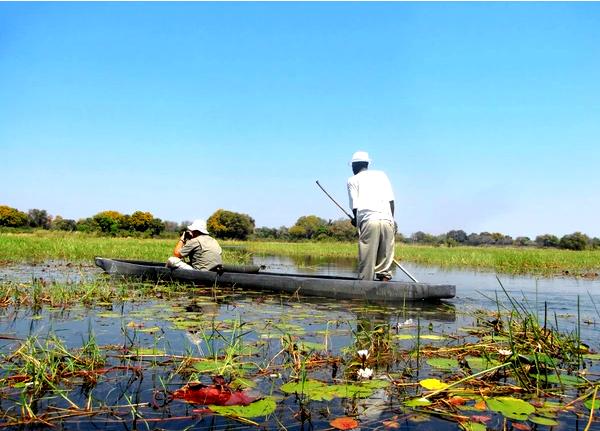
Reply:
x=475, y=289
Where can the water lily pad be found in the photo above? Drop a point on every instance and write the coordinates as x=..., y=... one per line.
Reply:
x=319, y=391
x=308, y=346
x=540, y=420
x=592, y=356
x=444, y=364
x=109, y=315
x=497, y=338
x=148, y=351
x=150, y=330
x=417, y=402
x=479, y=364
x=473, y=426
x=404, y=337
x=433, y=384
x=344, y=423
x=260, y=408
x=433, y=337
x=511, y=408
x=563, y=379
x=588, y=403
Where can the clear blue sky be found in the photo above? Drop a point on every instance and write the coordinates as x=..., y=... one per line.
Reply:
x=485, y=116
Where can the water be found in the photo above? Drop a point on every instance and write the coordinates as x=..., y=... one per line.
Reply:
x=200, y=324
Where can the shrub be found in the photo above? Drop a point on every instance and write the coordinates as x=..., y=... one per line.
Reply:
x=342, y=230
x=574, y=241
x=458, y=236
x=39, y=218
x=12, y=217
x=140, y=221
x=522, y=241
x=308, y=227
x=547, y=240
x=109, y=221
x=60, y=223
x=230, y=225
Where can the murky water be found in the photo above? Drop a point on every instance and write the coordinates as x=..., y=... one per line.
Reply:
x=202, y=325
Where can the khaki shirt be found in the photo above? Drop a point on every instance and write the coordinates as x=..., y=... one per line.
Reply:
x=204, y=252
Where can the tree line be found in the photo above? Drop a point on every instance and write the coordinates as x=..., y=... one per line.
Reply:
x=224, y=224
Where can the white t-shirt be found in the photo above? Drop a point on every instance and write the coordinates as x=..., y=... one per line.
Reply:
x=370, y=193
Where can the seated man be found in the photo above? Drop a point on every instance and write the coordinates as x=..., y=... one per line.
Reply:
x=203, y=251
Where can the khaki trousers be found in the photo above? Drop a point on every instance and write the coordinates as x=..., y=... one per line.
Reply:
x=375, y=249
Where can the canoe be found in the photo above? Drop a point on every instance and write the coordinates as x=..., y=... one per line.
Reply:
x=253, y=278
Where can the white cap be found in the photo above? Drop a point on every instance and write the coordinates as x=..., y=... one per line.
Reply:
x=199, y=225
x=360, y=156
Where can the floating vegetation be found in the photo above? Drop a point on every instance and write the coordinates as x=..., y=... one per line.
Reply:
x=109, y=355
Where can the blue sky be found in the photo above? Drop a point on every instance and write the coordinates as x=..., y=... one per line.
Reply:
x=485, y=116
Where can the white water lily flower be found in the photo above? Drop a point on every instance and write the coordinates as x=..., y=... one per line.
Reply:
x=365, y=373
x=504, y=352
x=363, y=354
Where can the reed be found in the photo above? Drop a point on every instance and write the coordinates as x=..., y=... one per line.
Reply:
x=40, y=246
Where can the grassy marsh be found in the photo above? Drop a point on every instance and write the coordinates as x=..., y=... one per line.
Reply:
x=143, y=358
x=77, y=247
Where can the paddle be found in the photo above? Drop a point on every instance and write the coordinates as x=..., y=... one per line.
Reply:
x=351, y=218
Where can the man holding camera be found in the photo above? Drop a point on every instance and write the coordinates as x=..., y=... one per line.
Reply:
x=203, y=251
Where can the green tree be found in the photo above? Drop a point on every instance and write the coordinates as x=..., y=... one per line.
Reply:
x=547, y=240
x=140, y=221
x=308, y=227
x=86, y=225
x=522, y=241
x=12, y=217
x=109, y=221
x=230, y=225
x=59, y=223
x=574, y=241
x=39, y=218
x=342, y=230
x=458, y=236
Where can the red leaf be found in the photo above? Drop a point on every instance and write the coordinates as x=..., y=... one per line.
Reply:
x=217, y=395
x=481, y=418
x=344, y=423
x=391, y=424
x=457, y=401
x=521, y=427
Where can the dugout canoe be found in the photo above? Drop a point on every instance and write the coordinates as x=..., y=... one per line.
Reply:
x=253, y=278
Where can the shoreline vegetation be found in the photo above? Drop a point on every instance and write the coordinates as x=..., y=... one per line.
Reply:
x=39, y=246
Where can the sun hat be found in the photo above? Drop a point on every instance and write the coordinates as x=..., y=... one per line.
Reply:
x=199, y=225
x=360, y=156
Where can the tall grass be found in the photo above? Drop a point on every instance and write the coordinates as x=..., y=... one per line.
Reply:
x=78, y=247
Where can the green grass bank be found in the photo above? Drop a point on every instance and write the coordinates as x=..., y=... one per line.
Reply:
x=77, y=247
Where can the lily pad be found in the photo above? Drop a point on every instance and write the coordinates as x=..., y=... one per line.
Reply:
x=148, y=351
x=260, y=408
x=540, y=420
x=511, y=408
x=433, y=337
x=444, y=364
x=417, y=402
x=404, y=337
x=319, y=391
x=473, y=426
x=563, y=379
x=433, y=384
x=588, y=403
x=479, y=364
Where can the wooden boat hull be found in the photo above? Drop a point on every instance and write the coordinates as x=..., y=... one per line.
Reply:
x=248, y=277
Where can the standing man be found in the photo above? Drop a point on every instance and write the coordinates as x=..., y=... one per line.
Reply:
x=372, y=203
x=203, y=251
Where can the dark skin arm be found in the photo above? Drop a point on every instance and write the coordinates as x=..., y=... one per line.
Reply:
x=184, y=237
